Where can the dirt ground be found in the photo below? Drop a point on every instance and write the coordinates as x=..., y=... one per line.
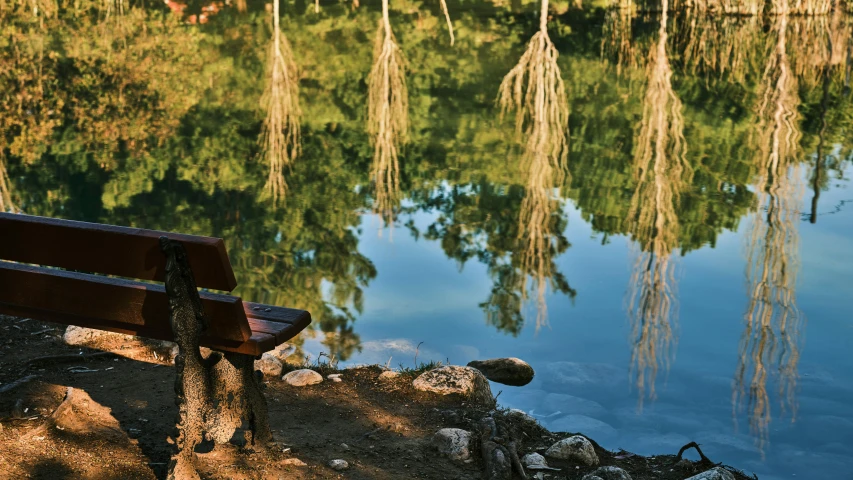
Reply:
x=119, y=422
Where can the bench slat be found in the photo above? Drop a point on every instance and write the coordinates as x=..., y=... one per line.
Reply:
x=108, y=249
x=276, y=314
x=281, y=331
x=115, y=301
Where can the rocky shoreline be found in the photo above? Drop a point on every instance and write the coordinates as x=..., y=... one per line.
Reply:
x=365, y=422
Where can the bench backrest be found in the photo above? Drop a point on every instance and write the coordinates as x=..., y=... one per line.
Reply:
x=115, y=304
x=109, y=250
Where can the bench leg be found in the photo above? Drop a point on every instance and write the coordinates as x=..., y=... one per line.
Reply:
x=240, y=399
x=215, y=395
x=193, y=379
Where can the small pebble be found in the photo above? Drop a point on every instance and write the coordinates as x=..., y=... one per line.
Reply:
x=338, y=464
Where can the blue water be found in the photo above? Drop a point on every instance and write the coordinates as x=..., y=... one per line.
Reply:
x=422, y=297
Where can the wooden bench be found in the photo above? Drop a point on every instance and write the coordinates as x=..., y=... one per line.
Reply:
x=215, y=394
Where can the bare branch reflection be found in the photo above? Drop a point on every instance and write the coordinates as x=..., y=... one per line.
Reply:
x=661, y=173
x=534, y=89
x=770, y=340
x=280, y=135
x=387, y=118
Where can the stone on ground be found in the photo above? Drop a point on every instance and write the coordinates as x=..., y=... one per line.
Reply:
x=576, y=448
x=89, y=337
x=534, y=461
x=388, y=375
x=716, y=473
x=509, y=371
x=453, y=443
x=456, y=380
x=269, y=365
x=128, y=346
x=78, y=414
x=521, y=414
x=335, y=377
x=607, y=473
x=338, y=464
x=293, y=462
x=303, y=377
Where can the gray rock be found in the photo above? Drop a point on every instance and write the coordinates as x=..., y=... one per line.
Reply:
x=388, y=375
x=576, y=448
x=569, y=404
x=518, y=413
x=456, y=380
x=534, y=461
x=607, y=473
x=509, y=371
x=335, y=377
x=303, y=377
x=338, y=464
x=453, y=443
x=269, y=365
x=716, y=473
x=588, y=426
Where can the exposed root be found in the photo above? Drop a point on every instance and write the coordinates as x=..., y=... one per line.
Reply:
x=66, y=358
x=695, y=446
x=17, y=383
x=499, y=450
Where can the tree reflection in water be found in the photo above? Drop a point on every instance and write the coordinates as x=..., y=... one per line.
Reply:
x=280, y=135
x=662, y=173
x=770, y=342
x=534, y=89
x=387, y=119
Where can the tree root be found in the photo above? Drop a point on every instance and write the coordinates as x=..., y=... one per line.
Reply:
x=17, y=383
x=695, y=446
x=499, y=451
x=66, y=358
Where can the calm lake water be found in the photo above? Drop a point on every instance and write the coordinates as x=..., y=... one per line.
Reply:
x=676, y=264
